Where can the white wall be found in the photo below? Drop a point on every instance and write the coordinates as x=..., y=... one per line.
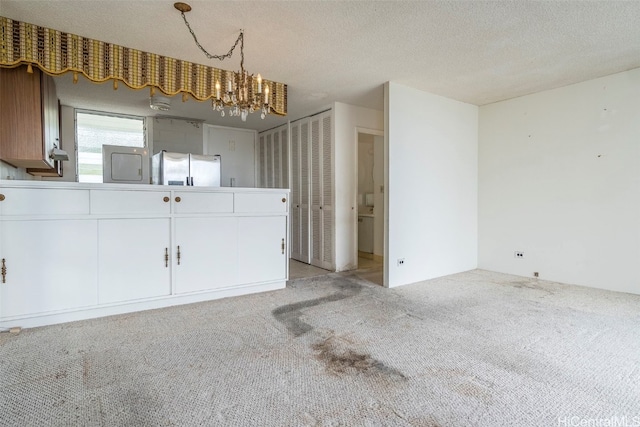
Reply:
x=431, y=144
x=176, y=135
x=559, y=179
x=237, y=148
x=347, y=118
x=9, y=172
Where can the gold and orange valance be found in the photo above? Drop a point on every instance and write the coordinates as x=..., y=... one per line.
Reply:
x=56, y=52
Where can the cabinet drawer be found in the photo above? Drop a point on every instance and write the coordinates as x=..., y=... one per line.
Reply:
x=202, y=202
x=43, y=201
x=261, y=202
x=130, y=202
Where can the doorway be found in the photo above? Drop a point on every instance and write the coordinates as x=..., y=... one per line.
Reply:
x=370, y=205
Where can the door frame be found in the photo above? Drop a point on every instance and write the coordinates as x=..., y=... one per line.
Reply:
x=374, y=132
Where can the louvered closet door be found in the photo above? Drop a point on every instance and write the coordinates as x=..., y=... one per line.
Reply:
x=327, y=194
x=277, y=164
x=269, y=161
x=304, y=192
x=316, y=193
x=295, y=192
x=284, y=139
x=262, y=162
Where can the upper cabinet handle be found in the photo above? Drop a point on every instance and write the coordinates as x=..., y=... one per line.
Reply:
x=165, y=199
x=284, y=199
x=1, y=197
x=178, y=199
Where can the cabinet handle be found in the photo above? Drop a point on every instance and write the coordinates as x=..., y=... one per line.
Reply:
x=1, y=197
x=4, y=271
x=178, y=254
x=178, y=199
x=284, y=200
x=165, y=199
x=282, y=246
x=320, y=207
x=166, y=257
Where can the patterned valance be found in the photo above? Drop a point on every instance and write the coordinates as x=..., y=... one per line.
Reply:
x=56, y=52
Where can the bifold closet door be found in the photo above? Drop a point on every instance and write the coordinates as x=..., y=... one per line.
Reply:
x=300, y=191
x=322, y=192
x=262, y=161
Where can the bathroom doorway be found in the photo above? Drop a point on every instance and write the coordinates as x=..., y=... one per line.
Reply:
x=370, y=205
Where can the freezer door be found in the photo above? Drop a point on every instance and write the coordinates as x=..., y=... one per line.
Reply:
x=172, y=168
x=205, y=170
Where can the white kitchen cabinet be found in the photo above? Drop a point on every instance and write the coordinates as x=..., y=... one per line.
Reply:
x=21, y=202
x=133, y=259
x=261, y=202
x=262, y=251
x=199, y=202
x=130, y=202
x=75, y=251
x=205, y=253
x=50, y=265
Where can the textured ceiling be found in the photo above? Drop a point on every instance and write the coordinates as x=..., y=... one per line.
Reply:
x=473, y=51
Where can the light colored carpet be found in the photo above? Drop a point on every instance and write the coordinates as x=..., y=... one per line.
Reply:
x=475, y=348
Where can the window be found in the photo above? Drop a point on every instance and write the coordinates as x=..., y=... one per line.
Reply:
x=94, y=129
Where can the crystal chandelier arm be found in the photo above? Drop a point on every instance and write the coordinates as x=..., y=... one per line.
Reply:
x=240, y=40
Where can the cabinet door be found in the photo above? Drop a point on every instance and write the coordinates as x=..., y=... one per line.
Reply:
x=50, y=265
x=21, y=121
x=205, y=253
x=262, y=253
x=131, y=259
x=197, y=202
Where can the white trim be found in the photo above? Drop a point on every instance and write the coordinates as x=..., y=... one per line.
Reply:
x=52, y=318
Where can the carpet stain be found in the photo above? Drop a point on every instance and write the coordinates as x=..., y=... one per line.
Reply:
x=290, y=314
x=527, y=284
x=339, y=361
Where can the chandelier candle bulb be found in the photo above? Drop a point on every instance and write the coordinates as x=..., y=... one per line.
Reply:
x=259, y=83
x=266, y=94
x=217, y=89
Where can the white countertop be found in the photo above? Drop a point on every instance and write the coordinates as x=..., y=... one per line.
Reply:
x=143, y=187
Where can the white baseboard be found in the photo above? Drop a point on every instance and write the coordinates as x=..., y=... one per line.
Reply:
x=53, y=318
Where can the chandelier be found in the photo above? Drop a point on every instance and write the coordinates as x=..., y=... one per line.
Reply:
x=239, y=92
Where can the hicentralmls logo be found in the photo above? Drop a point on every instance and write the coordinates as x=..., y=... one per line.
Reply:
x=614, y=421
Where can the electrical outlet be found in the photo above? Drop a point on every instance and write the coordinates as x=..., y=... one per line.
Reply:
x=400, y=262
x=518, y=254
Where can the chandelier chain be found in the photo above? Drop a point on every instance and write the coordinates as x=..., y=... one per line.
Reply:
x=240, y=40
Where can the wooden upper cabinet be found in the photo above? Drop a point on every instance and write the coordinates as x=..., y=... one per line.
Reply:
x=29, y=125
